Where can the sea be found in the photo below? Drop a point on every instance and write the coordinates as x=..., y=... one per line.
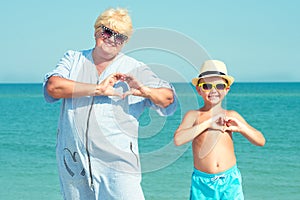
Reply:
x=28, y=139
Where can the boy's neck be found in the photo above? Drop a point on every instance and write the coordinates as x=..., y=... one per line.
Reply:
x=212, y=107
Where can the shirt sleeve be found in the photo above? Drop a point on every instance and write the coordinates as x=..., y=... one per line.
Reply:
x=62, y=70
x=148, y=78
x=169, y=110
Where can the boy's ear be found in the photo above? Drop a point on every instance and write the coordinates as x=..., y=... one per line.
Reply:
x=227, y=89
x=198, y=89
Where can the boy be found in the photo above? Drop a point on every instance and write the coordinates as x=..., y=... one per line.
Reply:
x=215, y=175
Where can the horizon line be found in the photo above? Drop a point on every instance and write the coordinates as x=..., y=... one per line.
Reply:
x=11, y=83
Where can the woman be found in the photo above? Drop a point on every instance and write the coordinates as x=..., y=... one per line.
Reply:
x=103, y=94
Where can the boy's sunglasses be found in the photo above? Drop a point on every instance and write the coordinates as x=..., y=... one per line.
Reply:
x=108, y=33
x=209, y=86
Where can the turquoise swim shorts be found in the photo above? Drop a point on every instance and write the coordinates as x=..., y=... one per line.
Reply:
x=225, y=185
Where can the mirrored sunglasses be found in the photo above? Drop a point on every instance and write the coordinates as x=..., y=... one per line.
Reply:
x=209, y=86
x=108, y=33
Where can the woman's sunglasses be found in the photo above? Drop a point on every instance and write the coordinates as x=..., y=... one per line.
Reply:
x=209, y=86
x=108, y=33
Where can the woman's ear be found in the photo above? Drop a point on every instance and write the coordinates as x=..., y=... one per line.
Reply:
x=97, y=34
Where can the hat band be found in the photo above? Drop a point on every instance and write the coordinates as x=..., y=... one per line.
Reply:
x=210, y=72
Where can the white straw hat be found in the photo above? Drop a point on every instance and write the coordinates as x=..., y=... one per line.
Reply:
x=212, y=68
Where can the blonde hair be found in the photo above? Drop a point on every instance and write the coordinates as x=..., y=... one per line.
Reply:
x=117, y=19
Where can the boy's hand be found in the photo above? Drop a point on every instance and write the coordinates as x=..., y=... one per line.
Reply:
x=233, y=125
x=218, y=122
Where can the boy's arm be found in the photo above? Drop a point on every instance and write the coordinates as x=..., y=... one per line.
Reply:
x=187, y=130
x=236, y=123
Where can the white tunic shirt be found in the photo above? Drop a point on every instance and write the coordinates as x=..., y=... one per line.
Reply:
x=102, y=129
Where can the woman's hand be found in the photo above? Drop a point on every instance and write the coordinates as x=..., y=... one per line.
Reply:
x=136, y=88
x=106, y=87
x=162, y=97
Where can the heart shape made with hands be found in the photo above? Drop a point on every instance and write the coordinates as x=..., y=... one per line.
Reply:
x=132, y=87
x=227, y=124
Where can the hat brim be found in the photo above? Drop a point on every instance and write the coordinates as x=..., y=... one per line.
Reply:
x=230, y=79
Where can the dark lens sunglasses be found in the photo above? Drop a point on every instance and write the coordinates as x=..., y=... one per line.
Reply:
x=209, y=86
x=108, y=33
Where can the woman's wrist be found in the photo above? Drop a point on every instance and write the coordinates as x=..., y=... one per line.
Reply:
x=145, y=91
x=98, y=91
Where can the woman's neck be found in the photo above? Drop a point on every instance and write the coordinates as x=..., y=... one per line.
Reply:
x=100, y=61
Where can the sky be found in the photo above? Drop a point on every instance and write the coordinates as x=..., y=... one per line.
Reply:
x=258, y=40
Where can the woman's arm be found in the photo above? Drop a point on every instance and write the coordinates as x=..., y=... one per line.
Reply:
x=59, y=87
x=162, y=97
